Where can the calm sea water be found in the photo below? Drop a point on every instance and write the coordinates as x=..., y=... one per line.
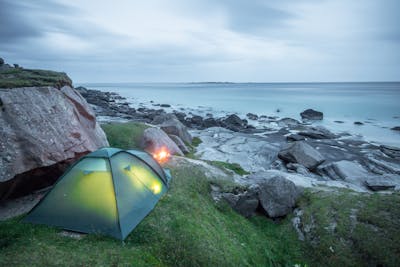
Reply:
x=377, y=105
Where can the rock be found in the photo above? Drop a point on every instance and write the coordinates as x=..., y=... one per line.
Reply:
x=159, y=119
x=245, y=203
x=252, y=116
x=175, y=127
x=210, y=122
x=196, y=120
x=391, y=151
x=310, y=114
x=358, y=123
x=42, y=130
x=302, y=153
x=154, y=139
x=382, y=182
x=180, y=115
x=179, y=143
x=300, y=169
x=234, y=123
x=318, y=132
x=338, y=121
x=397, y=128
x=295, y=137
x=345, y=170
x=165, y=105
x=285, y=122
x=278, y=196
x=1, y=61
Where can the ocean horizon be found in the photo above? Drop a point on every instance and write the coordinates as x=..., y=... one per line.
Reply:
x=374, y=104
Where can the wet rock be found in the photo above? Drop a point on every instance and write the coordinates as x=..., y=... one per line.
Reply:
x=295, y=137
x=358, y=123
x=310, y=114
x=397, y=128
x=391, y=151
x=338, y=121
x=318, y=132
x=210, y=122
x=278, y=196
x=154, y=139
x=165, y=105
x=159, y=119
x=302, y=153
x=234, y=123
x=285, y=122
x=252, y=116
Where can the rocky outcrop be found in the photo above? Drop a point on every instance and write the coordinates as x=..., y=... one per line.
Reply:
x=383, y=182
x=278, y=196
x=154, y=139
x=302, y=153
x=391, y=151
x=310, y=114
x=175, y=127
x=42, y=130
x=179, y=143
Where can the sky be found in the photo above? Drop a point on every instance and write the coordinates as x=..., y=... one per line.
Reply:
x=205, y=40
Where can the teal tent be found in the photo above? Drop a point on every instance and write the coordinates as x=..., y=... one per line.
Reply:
x=108, y=192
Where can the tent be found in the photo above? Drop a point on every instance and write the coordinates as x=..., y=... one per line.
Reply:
x=108, y=192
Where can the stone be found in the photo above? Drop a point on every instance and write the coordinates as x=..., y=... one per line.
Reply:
x=252, y=116
x=210, y=122
x=382, y=182
x=175, y=127
x=295, y=137
x=310, y=114
x=358, y=123
x=159, y=119
x=245, y=203
x=318, y=132
x=285, y=122
x=165, y=105
x=278, y=196
x=302, y=153
x=179, y=143
x=43, y=129
x=396, y=128
x=234, y=123
x=1, y=61
x=391, y=151
x=154, y=139
x=349, y=171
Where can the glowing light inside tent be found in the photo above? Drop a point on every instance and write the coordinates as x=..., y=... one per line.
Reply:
x=156, y=188
x=161, y=155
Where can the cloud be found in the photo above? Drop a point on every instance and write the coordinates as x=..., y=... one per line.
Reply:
x=181, y=40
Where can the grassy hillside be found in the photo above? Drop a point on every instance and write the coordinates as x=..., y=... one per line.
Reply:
x=19, y=77
x=188, y=229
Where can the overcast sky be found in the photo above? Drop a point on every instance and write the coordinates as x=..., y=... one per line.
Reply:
x=205, y=40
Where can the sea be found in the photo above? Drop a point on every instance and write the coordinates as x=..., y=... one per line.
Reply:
x=375, y=104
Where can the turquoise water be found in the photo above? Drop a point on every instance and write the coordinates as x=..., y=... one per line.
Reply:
x=377, y=105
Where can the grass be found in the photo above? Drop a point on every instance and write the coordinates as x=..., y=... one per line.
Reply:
x=367, y=231
x=124, y=135
x=187, y=228
x=235, y=167
x=18, y=77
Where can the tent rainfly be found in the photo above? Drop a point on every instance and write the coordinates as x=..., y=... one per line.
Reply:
x=107, y=192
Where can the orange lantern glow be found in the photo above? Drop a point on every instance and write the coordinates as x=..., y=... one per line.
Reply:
x=162, y=155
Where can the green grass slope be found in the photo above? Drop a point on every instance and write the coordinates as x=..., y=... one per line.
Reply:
x=19, y=77
x=187, y=228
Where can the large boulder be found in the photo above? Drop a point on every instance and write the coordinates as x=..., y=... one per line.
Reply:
x=278, y=196
x=175, y=127
x=310, y=114
x=154, y=139
x=234, y=123
x=302, y=153
x=159, y=119
x=42, y=130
